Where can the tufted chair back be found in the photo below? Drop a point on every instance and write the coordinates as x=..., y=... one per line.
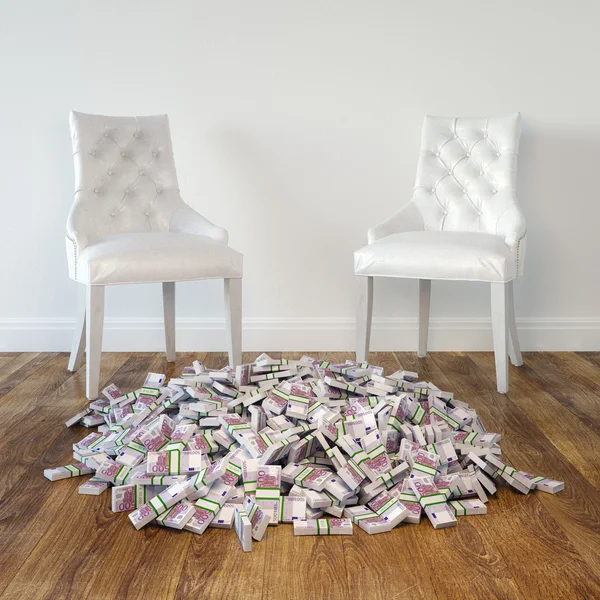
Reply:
x=125, y=178
x=466, y=176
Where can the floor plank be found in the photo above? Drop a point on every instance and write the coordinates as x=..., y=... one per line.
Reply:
x=570, y=380
x=19, y=371
x=56, y=544
x=572, y=438
x=304, y=566
x=29, y=501
x=575, y=510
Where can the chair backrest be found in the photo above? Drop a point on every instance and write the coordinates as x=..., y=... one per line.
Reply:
x=125, y=174
x=466, y=174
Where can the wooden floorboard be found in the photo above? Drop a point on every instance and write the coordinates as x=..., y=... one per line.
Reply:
x=57, y=544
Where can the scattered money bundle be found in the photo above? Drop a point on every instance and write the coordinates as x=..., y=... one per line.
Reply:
x=290, y=441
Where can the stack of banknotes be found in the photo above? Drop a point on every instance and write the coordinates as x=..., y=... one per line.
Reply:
x=305, y=442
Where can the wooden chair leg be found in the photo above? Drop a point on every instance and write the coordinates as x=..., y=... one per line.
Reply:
x=78, y=347
x=424, y=302
x=364, y=315
x=168, y=288
x=514, y=348
x=233, y=319
x=499, y=293
x=94, y=329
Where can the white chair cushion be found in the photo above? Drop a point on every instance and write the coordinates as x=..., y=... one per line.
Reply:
x=466, y=256
x=156, y=257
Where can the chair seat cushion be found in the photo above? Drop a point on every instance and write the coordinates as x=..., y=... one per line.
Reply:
x=438, y=255
x=155, y=257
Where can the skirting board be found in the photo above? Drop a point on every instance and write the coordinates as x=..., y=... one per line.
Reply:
x=308, y=334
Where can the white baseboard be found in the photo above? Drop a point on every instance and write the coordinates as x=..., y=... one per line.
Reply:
x=301, y=334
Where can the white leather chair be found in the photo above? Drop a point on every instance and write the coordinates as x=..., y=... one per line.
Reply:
x=129, y=224
x=463, y=223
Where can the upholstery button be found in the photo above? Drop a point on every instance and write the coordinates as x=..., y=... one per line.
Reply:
x=159, y=191
x=141, y=172
x=112, y=214
x=96, y=190
x=479, y=213
x=109, y=172
x=93, y=153
x=106, y=134
x=497, y=153
x=481, y=172
x=437, y=153
x=136, y=134
x=432, y=190
x=127, y=191
x=455, y=136
x=468, y=154
x=449, y=172
x=147, y=214
x=445, y=212
x=123, y=153
x=464, y=191
x=494, y=191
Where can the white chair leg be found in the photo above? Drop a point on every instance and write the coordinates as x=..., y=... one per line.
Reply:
x=78, y=347
x=514, y=348
x=424, y=301
x=500, y=331
x=364, y=314
x=94, y=328
x=233, y=319
x=168, y=288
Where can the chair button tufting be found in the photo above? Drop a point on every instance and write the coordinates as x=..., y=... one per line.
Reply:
x=112, y=214
x=123, y=153
x=468, y=154
x=109, y=172
x=455, y=136
x=433, y=190
x=497, y=153
x=106, y=134
x=449, y=172
x=464, y=191
x=159, y=191
x=93, y=153
x=127, y=191
x=141, y=172
x=481, y=172
x=136, y=134
x=479, y=213
x=96, y=190
x=437, y=153
x=445, y=212
x=147, y=214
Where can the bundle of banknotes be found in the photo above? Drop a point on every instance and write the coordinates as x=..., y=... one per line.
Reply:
x=305, y=442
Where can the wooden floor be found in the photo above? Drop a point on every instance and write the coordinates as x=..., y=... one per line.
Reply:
x=57, y=544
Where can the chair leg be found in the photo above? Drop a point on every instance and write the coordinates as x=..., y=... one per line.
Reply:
x=168, y=288
x=500, y=331
x=78, y=347
x=364, y=314
x=514, y=348
x=424, y=301
x=94, y=328
x=233, y=319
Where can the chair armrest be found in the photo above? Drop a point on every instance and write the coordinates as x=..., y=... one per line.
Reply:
x=81, y=228
x=186, y=220
x=511, y=226
x=408, y=218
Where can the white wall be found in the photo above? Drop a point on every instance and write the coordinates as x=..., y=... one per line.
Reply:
x=296, y=125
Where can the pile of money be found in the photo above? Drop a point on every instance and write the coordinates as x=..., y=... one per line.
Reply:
x=305, y=442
